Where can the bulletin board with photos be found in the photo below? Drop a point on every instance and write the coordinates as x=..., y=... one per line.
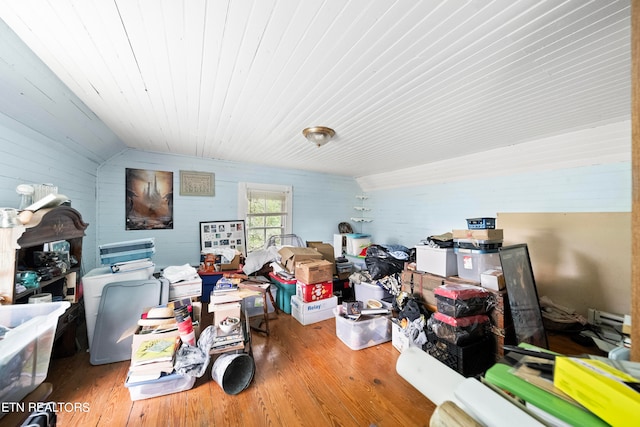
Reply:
x=223, y=235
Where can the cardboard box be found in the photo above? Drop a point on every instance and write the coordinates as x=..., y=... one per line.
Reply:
x=426, y=283
x=314, y=271
x=222, y=311
x=233, y=265
x=399, y=339
x=600, y=388
x=314, y=292
x=312, y=312
x=291, y=255
x=327, y=252
x=483, y=234
x=492, y=279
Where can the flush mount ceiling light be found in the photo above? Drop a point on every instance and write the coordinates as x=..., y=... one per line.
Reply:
x=319, y=135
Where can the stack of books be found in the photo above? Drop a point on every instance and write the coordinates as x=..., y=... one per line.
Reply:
x=571, y=391
x=153, y=358
x=223, y=342
x=156, y=340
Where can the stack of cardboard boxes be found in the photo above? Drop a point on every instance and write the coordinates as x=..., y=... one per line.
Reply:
x=314, y=300
x=307, y=290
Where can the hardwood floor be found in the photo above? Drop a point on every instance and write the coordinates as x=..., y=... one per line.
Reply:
x=305, y=376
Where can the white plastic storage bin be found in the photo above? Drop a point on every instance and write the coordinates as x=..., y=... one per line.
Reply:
x=254, y=305
x=438, y=261
x=92, y=284
x=366, y=291
x=25, y=350
x=312, y=312
x=365, y=332
x=472, y=263
x=167, y=384
x=357, y=242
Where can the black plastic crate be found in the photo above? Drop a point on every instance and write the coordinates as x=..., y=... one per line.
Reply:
x=486, y=245
x=469, y=360
x=480, y=223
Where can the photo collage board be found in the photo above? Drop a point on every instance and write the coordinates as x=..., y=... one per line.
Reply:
x=223, y=235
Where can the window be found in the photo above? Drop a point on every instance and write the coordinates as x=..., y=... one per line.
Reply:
x=267, y=212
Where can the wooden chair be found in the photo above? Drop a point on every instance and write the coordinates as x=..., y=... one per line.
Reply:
x=265, y=289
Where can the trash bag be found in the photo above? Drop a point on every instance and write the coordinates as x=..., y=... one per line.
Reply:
x=194, y=360
x=381, y=263
x=410, y=311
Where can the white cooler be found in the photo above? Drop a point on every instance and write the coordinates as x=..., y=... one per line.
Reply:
x=439, y=261
x=92, y=284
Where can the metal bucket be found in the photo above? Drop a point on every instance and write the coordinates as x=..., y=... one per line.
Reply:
x=233, y=372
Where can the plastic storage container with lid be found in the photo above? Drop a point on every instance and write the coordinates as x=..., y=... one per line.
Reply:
x=438, y=261
x=459, y=330
x=365, y=332
x=286, y=288
x=166, y=384
x=25, y=349
x=459, y=300
x=472, y=263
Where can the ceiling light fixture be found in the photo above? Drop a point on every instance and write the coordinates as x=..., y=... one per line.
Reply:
x=319, y=135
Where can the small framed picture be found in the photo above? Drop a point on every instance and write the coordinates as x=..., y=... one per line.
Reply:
x=197, y=183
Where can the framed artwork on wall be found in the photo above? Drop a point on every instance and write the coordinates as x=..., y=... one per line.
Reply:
x=523, y=295
x=223, y=235
x=149, y=199
x=194, y=183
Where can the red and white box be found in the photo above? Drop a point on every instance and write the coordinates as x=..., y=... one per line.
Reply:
x=315, y=291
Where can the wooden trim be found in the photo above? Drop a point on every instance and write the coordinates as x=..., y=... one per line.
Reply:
x=635, y=165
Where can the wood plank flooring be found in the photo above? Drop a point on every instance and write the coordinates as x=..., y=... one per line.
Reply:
x=305, y=376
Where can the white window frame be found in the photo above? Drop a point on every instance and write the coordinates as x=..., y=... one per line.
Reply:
x=243, y=202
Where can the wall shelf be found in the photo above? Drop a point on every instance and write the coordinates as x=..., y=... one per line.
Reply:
x=362, y=209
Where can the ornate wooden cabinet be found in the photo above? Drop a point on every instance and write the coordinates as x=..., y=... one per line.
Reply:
x=61, y=223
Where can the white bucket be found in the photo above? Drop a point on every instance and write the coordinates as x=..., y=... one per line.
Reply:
x=233, y=372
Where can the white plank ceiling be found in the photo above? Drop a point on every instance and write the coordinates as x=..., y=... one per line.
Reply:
x=403, y=83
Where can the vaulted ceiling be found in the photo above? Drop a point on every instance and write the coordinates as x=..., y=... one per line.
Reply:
x=403, y=83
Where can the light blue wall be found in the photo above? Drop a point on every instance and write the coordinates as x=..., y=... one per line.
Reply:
x=320, y=201
x=47, y=135
x=406, y=215
x=29, y=157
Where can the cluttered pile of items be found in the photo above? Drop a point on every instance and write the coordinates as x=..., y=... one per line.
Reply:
x=169, y=352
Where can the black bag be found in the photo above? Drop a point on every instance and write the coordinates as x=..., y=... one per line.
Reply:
x=380, y=263
x=411, y=310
